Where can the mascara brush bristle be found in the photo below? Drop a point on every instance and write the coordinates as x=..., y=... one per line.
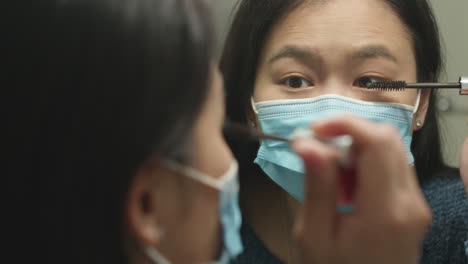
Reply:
x=388, y=86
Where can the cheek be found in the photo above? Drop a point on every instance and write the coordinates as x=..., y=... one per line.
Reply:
x=407, y=97
x=263, y=88
x=215, y=157
x=211, y=153
x=268, y=88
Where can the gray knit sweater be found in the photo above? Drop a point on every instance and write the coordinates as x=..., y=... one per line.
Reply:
x=444, y=243
x=445, y=240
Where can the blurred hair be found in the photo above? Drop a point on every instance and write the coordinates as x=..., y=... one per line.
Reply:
x=96, y=89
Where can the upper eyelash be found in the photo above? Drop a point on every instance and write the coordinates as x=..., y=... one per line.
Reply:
x=282, y=81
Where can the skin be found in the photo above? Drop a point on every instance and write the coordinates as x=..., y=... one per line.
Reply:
x=174, y=213
x=322, y=48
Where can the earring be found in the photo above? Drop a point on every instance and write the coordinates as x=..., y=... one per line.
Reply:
x=419, y=123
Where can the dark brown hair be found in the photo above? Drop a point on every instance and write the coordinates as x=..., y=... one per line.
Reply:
x=96, y=89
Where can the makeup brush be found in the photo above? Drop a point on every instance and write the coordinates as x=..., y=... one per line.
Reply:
x=462, y=84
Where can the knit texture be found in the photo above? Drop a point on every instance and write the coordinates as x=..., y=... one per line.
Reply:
x=466, y=248
x=445, y=240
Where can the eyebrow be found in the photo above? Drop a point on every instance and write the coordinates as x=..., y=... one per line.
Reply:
x=306, y=55
x=373, y=52
x=299, y=53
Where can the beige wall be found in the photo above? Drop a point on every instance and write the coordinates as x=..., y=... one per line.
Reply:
x=453, y=22
x=222, y=16
x=452, y=16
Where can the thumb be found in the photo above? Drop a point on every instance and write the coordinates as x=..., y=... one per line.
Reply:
x=319, y=206
x=464, y=163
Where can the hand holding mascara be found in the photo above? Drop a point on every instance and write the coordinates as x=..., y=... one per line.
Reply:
x=386, y=188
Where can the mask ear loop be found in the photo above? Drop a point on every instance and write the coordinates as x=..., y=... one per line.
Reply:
x=155, y=256
x=203, y=178
x=253, y=105
x=416, y=107
x=418, y=101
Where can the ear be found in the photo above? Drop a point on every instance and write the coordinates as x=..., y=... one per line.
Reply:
x=420, y=115
x=140, y=210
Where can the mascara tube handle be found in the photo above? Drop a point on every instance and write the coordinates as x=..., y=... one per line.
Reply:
x=347, y=173
x=464, y=85
x=347, y=184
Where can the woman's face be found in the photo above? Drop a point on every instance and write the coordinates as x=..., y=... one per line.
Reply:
x=336, y=47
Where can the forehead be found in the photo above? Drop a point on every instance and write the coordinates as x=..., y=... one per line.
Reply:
x=337, y=25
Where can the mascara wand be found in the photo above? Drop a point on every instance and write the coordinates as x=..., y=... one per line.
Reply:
x=462, y=84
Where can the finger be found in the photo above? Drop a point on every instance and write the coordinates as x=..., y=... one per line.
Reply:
x=464, y=163
x=319, y=207
x=379, y=154
x=367, y=135
x=363, y=131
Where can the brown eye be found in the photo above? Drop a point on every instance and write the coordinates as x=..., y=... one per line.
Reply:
x=296, y=82
x=366, y=80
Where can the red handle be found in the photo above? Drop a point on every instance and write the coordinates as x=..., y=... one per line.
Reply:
x=347, y=184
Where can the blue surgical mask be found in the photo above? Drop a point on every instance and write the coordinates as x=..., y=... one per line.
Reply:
x=229, y=211
x=283, y=117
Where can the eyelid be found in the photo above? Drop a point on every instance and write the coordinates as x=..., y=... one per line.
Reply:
x=286, y=68
x=375, y=70
x=372, y=76
x=305, y=84
x=357, y=81
x=292, y=75
x=310, y=83
x=375, y=76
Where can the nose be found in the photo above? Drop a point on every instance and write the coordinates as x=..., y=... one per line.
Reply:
x=336, y=86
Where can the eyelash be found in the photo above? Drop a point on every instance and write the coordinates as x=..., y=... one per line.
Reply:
x=360, y=82
x=302, y=79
